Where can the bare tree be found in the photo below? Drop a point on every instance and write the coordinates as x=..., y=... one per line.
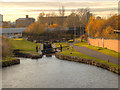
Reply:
x=78, y=18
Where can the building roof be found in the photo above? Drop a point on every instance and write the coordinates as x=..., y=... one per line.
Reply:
x=24, y=18
x=21, y=19
x=56, y=17
x=118, y=31
x=12, y=30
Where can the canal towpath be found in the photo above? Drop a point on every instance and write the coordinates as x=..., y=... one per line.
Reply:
x=95, y=54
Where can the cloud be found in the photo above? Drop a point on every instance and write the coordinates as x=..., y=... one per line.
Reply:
x=14, y=8
x=35, y=6
x=97, y=4
x=52, y=0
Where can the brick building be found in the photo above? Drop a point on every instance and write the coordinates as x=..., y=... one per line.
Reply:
x=24, y=22
x=5, y=24
x=53, y=20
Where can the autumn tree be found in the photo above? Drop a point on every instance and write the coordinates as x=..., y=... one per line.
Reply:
x=103, y=28
x=35, y=28
x=84, y=15
x=72, y=20
x=78, y=18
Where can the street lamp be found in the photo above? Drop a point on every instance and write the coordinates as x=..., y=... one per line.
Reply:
x=88, y=14
x=88, y=33
x=74, y=34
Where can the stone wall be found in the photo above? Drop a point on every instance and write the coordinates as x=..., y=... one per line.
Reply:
x=10, y=62
x=17, y=53
x=111, y=44
x=88, y=61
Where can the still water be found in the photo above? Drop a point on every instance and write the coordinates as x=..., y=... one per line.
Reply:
x=50, y=72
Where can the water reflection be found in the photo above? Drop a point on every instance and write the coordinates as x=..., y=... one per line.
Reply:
x=49, y=72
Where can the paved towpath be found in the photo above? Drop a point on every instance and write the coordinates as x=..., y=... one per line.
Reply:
x=95, y=54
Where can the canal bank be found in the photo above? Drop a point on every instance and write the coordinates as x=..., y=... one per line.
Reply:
x=50, y=72
x=18, y=53
x=88, y=61
x=10, y=62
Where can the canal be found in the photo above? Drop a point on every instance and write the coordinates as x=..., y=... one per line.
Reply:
x=50, y=72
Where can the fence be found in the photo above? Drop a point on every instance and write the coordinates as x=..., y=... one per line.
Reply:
x=111, y=44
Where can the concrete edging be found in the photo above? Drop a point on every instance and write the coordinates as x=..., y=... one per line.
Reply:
x=88, y=61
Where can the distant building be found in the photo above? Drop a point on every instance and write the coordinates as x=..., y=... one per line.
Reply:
x=117, y=31
x=5, y=24
x=24, y=22
x=12, y=32
x=80, y=30
x=1, y=20
x=54, y=20
x=98, y=18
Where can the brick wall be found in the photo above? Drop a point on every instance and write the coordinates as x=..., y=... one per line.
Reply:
x=106, y=43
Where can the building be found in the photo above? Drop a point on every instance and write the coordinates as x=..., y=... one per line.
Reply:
x=80, y=30
x=1, y=20
x=24, y=22
x=12, y=32
x=98, y=18
x=5, y=24
x=54, y=20
x=117, y=31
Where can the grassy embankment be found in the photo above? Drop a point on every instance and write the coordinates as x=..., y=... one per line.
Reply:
x=68, y=52
x=6, y=52
x=8, y=58
x=23, y=45
x=99, y=49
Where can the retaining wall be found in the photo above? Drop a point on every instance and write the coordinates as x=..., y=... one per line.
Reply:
x=88, y=61
x=10, y=62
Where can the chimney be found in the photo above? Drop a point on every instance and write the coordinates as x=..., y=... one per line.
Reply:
x=26, y=16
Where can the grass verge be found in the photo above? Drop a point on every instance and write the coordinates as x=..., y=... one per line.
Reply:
x=99, y=49
x=69, y=51
x=4, y=59
x=23, y=45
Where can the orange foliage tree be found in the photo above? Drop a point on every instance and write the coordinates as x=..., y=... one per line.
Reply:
x=103, y=28
x=35, y=28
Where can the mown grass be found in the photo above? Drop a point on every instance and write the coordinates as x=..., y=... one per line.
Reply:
x=7, y=59
x=99, y=49
x=63, y=44
x=23, y=45
x=4, y=59
x=72, y=52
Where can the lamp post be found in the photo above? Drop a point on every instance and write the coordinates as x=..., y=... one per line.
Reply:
x=88, y=14
x=88, y=33
x=74, y=34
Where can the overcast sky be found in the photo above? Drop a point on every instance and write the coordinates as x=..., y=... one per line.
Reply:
x=52, y=0
x=13, y=9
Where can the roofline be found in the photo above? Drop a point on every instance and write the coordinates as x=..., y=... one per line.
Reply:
x=116, y=30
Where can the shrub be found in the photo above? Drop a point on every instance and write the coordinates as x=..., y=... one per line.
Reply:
x=6, y=48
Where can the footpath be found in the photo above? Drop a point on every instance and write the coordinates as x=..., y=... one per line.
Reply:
x=95, y=54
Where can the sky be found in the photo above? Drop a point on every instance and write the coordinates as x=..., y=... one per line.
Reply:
x=14, y=9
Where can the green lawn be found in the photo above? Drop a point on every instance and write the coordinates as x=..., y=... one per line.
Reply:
x=99, y=49
x=68, y=52
x=23, y=45
x=63, y=44
x=4, y=59
x=7, y=59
